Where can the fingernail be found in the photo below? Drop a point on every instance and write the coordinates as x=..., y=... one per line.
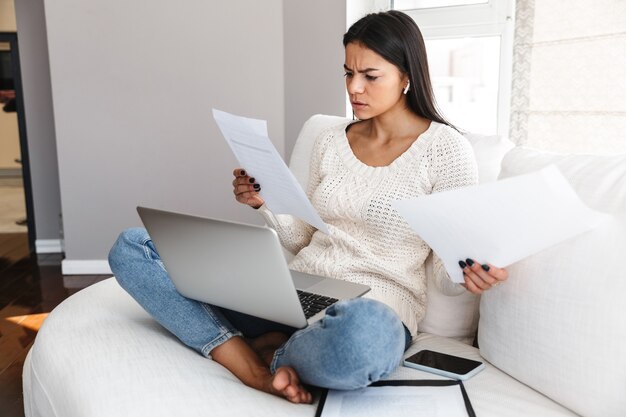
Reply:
x=251, y=180
x=462, y=264
x=469, y=262
x=485, y=267
x=257, y=187
x=242, y=172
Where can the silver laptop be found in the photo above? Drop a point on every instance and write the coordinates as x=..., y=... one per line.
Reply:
x=240, y=267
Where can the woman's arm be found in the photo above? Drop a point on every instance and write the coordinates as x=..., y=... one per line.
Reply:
x=295, y=234
x=453, y=165
x=443, y=281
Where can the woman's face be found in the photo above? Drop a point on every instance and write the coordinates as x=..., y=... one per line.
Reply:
x=374, y=84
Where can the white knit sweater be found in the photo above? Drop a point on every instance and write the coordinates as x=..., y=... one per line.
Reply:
x=369, y=242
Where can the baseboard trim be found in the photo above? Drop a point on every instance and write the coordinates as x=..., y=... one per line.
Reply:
x=10, y=172
x=91, y=267
x=48, y=246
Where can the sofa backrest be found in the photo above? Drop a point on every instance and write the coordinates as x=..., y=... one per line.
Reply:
x=301, y=154
x=455, y=317
x=599, y=180
x=558, y=324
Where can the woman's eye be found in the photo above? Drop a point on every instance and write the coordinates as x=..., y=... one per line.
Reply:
x=370, y=78
x=347, y=74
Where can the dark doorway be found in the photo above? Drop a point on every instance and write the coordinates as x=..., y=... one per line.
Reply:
x=12, y=100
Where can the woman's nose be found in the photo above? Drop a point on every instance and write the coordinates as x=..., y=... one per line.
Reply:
x=355, y=86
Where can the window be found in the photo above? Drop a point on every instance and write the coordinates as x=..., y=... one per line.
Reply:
x=430, y=4
x=470, y=46
x=464, y=74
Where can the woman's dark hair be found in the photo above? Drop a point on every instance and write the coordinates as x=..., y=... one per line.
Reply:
x=396, y=37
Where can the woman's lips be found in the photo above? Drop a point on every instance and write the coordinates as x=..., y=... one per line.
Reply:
x=358, y=105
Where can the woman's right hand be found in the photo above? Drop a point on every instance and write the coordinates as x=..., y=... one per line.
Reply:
x=246, y=189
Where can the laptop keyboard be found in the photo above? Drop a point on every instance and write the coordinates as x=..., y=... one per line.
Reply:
x=314, y=303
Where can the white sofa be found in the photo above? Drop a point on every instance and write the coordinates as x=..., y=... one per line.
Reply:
x=553, y=337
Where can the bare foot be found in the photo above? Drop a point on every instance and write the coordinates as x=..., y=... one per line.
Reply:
x=266, y=344
x=240, y=358
x=287, y=384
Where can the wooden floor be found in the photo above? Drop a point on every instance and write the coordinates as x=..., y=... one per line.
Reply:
x=30, y=287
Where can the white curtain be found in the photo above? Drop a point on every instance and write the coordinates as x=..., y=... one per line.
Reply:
x=569, y=76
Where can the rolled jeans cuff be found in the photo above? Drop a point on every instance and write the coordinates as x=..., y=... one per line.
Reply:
x=223, y=338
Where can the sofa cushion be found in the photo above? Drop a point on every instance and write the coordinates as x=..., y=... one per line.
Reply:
x=454, y=317
x=489, y=151
x=491, y=391
x=301, y=155
x=558, y=323
x=100, y=354
x=599, y=180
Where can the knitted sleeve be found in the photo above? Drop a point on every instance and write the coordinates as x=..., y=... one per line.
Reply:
x=453, y=166
x=294, y=234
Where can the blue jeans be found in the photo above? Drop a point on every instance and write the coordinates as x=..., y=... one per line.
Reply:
x=358, y=341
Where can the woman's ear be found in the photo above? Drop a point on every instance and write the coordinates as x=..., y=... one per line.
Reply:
x=406, y=83
x=405, y=80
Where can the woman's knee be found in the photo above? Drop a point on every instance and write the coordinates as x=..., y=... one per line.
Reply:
x=373, y=339
x=133, y=235
x=367, y=318
x=128, y=245
x=357, y=342
x=127, y=242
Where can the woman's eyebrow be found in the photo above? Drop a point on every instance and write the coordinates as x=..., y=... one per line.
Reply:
x=361, y=71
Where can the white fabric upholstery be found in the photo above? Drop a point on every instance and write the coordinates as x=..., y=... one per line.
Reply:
x=599, y=180
x=302, y=150
x=489, y=151
x=558, y=323
x=455, y=317
x=99, y=354
x=492, y=392
x=553, y=326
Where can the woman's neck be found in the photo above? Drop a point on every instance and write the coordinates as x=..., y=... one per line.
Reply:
x=379, y=141
x=395, y=124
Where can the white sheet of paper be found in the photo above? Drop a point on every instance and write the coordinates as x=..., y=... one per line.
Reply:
x=500, y=222
x=423, y=401
x=249, y=141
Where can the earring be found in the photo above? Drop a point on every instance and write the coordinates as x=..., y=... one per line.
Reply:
x=406, y=89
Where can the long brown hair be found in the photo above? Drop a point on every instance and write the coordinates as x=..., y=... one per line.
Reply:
x=396, y=37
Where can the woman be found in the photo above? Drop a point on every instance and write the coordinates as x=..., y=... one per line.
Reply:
x=400, y=147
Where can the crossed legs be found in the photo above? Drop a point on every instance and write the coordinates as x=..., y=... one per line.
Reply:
x=358, y=341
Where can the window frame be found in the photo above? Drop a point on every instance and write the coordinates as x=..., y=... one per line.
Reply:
x=495, y=18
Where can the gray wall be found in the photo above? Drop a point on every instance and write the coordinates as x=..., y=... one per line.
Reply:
x=133, y=85
x=31, y=28
x=314, y=58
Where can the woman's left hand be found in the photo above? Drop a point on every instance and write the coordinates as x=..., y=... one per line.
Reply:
x=480, y=278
